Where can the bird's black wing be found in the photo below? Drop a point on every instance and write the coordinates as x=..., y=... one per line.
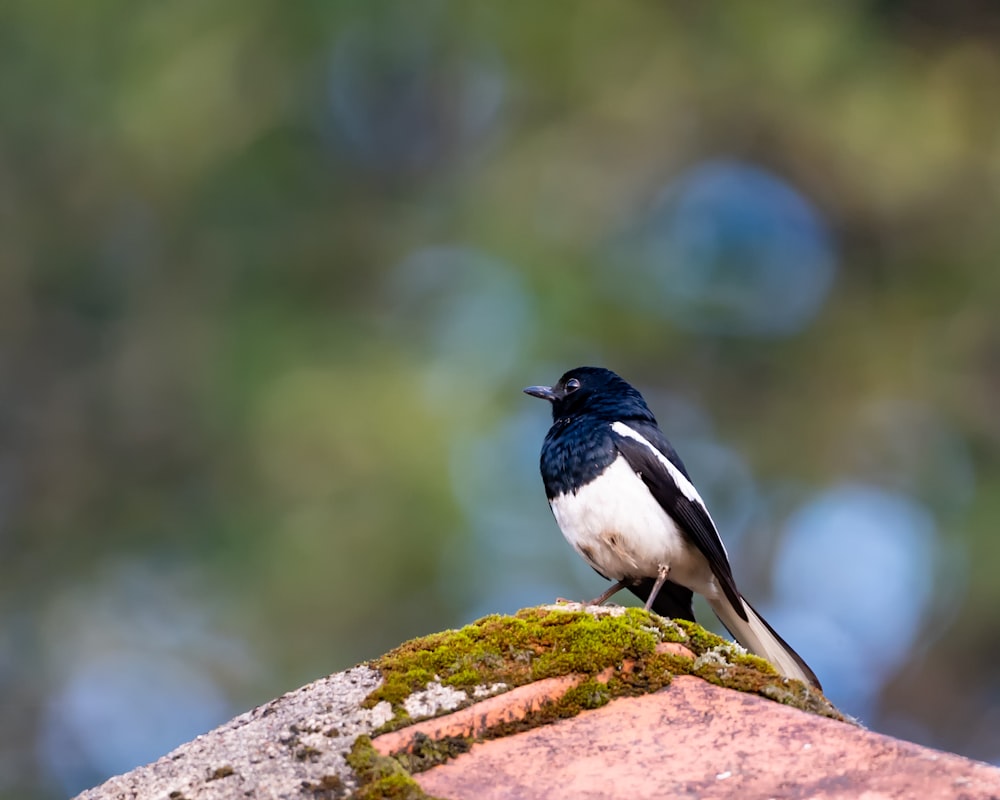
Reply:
x=678, y=497
x=673, y=600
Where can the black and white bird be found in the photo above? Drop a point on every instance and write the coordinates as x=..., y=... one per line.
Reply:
x=625, y=502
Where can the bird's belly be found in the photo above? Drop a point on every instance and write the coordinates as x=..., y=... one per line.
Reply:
x=622, y=531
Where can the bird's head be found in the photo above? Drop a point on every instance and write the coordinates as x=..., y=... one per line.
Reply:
x=595, y=391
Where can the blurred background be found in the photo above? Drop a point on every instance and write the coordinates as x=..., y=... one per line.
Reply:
x=272, y=277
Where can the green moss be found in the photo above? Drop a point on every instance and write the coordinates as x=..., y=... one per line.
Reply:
x=426, y=752
x=651, y=675
x=380, y=777
x=589, y=644
x=587, y=695
x=547, y=642
x=536, y=643
x=698, y=639
x=798, y=695
x=754, y=662
x=465, y=677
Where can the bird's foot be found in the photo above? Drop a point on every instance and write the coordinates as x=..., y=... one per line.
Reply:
x=662, y=571
x=599, y=601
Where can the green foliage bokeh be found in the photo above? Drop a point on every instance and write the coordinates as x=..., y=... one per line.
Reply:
x=206, y=368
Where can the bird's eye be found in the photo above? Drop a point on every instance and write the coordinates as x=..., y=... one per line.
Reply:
x=572, y=385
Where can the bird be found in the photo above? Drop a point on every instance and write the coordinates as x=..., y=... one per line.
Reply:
x=625, y=502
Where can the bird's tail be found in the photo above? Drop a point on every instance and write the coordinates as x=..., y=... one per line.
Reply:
x=760, y=639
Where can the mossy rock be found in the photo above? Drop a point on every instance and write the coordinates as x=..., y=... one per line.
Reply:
x=437, y=674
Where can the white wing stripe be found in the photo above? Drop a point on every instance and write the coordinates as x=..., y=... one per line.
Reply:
x=686, y=487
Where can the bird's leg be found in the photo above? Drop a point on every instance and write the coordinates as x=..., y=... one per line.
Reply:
x=597, y=601
x=661, y=577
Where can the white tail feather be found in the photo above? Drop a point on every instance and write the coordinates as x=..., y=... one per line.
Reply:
x=760, y=639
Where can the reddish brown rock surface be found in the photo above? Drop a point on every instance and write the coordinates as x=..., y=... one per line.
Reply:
x=694, y=739
x=690, y=739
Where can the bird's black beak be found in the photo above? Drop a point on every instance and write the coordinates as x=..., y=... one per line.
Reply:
x=544, y=392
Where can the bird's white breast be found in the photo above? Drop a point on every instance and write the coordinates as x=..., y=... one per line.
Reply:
x=623, y=532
